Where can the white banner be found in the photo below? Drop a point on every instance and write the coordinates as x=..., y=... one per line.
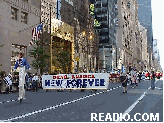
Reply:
x=76, y=81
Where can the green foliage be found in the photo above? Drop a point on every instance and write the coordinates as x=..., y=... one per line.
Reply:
x=1, y=46
x=92, y=13
x=92, y=8
x=96, y=23
x=39, y=56
x=2, y=73
x=64, y=60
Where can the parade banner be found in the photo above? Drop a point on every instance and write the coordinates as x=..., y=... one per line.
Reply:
x=76, y=81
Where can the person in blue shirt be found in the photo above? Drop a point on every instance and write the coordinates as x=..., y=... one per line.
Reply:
x=21, y=63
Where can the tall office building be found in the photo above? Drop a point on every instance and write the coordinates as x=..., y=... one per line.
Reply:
x=145, y=18
x=106, y=14
x=156, y=56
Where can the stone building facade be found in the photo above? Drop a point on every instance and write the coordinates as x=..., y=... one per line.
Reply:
x=145, y=18
x=126, y=39
x=85, y=38
x=145, y=54
x=17, y=18
x=156, y=56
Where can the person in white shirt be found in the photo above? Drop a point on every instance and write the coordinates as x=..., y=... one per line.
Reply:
x=129, y=78
x=35, y=80
x=21, y=63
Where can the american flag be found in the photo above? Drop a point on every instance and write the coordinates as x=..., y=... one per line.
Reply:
x=8, y=79
x=36, y=32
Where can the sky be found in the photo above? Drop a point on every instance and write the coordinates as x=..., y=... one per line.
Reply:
x=158, y=26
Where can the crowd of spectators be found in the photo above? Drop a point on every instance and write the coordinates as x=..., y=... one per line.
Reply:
x=32, y=83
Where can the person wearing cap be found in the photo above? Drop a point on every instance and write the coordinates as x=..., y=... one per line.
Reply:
x=21, y=63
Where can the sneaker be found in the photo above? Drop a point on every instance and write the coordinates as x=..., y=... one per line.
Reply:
x=123, y=92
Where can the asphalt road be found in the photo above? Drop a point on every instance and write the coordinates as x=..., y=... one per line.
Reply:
x=55, y=106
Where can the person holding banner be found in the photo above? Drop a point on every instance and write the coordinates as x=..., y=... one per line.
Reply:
x=21, y=63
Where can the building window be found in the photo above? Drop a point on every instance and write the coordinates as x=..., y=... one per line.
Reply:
x=24, y=17
x=75, y=7
x=128, y=4
x=103, y=5
x=98, y=5
x=14, y=13
x=25, y=1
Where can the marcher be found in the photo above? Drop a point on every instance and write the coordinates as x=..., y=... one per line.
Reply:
x=152, y=80
x=27, y=81
x=124, y=80
x=21, y=63
x=30, y=81
x=40, y=81
x=135, y=78
x=139, y=76
x=129, y=78
x=35, y=80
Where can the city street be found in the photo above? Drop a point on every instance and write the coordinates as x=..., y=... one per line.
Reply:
x=77, y=106
x=78, y=56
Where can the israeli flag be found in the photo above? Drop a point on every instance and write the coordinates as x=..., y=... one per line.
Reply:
x=8, y=80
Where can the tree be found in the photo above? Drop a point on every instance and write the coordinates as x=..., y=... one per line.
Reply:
x=92, y=9
x=64, y=60
x=39, y=56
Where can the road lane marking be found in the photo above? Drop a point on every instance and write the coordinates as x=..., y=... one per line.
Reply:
x=134, y=104
x=56, y=106
x=9, y=101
